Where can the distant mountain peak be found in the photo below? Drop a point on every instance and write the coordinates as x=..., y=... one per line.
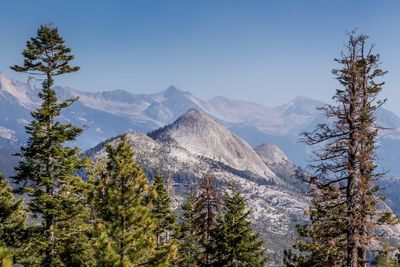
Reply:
x=16, y=90
x=194, y=120
x=201, y=135
x=172, y=90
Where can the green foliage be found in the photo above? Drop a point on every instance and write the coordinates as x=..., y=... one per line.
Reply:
x=236, y=243
x=47, y=171
x=46, y=54
x=321, y=242
x=206, y=210
x=208, y=238
x=343, y=187
x=121, y=202
x=387, y=257
x=12, y=223
x=165, y=220
x=190, y=251
x=5, y=257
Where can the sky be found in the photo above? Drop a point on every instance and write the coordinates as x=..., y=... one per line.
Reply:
x=267, y=52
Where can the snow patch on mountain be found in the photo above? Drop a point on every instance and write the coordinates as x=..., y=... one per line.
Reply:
x=18, y=90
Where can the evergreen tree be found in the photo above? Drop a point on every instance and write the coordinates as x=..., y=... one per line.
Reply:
x=205, y=219
x=5, y=257
x=47, y=171
x=12, y=224
x=121, y=201
x=236, y=243
x=189, y=253
x=321, y=241
x=165, y=220
x=387, y=257
x=343, y=186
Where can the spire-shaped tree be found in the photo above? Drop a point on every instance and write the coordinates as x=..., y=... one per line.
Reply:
x=12, y=223
x=122, y=204
x=344, y=213
x=236, y=243
x=161, y=210
x=206, y=212
x=47, y=170
x=165, y=220
x=190, y=252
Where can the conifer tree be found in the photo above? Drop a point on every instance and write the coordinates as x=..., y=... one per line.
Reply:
x=343, y=185
x=189, y=253
x=165, y=220
x=122, y=202
x=236, y=243
x=47, y=170
x=5, y=257
x=321, y=242
x=161, y=210
x=206, y=212
x=12, y=224
x=387, y=258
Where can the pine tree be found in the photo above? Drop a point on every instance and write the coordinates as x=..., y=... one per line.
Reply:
x=47, y=170
x=387, y=257
x=343, y=186
x=190, y=252
x=165, y=220
x=12, y=224
x=206, y=212
x=321, y=241
x=121, y=201
x=236, y=243
x=5, y=257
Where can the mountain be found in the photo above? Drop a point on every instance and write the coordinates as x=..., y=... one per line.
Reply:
x=280, y=164
x=110, y=113
x=195, y=144
x=202, y=136
x=105, y=114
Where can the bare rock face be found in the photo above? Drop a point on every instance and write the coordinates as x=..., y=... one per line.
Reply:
x=202, y=136
x=195, y=144
x=272, y=154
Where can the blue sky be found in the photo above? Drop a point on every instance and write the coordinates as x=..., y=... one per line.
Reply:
x=263, y=51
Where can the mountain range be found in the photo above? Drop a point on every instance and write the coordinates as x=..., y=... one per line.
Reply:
x=109, y=113
x=195, y=145
x=248, y=144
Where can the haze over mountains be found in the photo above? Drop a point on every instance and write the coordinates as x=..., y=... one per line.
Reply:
x=194, y=144
x=109, y=113
x=239, y=141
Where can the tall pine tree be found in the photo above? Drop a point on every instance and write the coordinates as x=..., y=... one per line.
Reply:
x=190, y=252
x=206, y=211
x=343, y=186
x=321, y=241
x=165, y=220
x=47, y=170
x=12, y=224
x=236, y=243
x=122, y=204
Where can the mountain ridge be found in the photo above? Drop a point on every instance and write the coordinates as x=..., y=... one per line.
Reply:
x=109, y=113
x=277, y=203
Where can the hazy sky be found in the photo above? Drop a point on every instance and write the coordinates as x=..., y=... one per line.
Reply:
x=263, y=51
